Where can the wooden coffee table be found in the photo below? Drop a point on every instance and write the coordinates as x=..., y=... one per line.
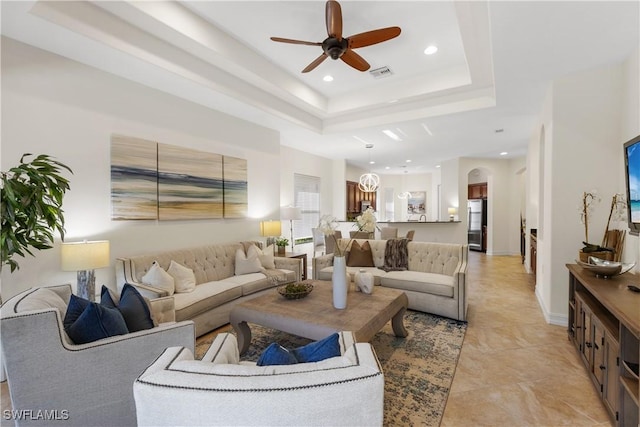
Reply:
x=315, y=318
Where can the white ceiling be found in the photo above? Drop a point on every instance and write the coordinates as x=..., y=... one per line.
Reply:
x=494, y=63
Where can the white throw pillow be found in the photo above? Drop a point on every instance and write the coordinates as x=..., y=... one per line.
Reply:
x=266, y=257
x=158, y=278
x=40, y=299
x=249, y=263
x=183, y=277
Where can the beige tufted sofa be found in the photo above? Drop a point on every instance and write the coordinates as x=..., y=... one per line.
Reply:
x=434, y=283
x=218, y=289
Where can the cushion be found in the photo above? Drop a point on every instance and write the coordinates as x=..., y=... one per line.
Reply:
x=183, y=277
x=316, y=351
x=360, y=256
x=266, y=257
x=87, y=321
x=42, y=298
x=158, y=278
x=247, y=263
x=132, y=306
x=276, y=354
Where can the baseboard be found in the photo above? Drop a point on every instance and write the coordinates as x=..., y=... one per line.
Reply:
x=552, y=318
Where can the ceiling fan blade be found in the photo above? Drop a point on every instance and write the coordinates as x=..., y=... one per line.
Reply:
x=355, y=60
x=373, y=37
x=281, y=40
x=315, y=63
x=333, y=13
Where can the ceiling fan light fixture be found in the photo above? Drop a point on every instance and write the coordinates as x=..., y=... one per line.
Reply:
x=328, y=78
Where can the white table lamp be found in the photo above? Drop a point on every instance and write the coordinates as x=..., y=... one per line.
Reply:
x=84, y=257
x=291, y=213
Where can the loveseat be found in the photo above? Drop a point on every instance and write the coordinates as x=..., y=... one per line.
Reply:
x=217, y=287
x=346, y=390
x=435, y=281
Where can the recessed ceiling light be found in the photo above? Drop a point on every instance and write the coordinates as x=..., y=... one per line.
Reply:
x=328, y=78
x=430, y=50
x=504, y=153
x=372, y=162
x=408, y=161
x=391, y=135
x=387, y=167
x=437, y=166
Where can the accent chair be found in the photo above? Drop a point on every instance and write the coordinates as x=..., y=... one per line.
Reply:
x=219, y=390
x=92, y=382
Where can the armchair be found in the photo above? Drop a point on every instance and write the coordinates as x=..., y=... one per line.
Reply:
x=220, y=390
x=91, y=383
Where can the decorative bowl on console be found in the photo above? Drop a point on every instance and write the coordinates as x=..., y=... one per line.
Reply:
x=605, y=268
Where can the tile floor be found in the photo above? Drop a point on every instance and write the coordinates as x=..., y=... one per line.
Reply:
x=514, y=368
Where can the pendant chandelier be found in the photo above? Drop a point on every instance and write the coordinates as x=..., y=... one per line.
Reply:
x=369, y=182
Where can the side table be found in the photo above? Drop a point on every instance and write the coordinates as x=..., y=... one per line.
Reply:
x=302, y=255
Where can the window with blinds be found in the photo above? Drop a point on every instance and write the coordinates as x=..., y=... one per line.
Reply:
x=306, y=197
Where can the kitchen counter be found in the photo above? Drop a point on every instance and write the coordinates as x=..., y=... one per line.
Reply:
x=417, y=222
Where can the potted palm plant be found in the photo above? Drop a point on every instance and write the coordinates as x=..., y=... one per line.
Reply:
x=31, y=196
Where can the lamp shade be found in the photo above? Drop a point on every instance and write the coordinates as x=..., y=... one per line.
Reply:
x=270, y=228
x=85, y=255
x=452, y=211
x=290, y=213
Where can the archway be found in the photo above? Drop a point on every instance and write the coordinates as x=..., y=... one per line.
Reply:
x=478, y=185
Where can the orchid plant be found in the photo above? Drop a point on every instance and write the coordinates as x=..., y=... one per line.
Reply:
x=367, y=221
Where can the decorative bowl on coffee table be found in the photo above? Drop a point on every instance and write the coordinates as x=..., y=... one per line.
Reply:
x=295, y=290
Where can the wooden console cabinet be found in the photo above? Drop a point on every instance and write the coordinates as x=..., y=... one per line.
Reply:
x=604, y=326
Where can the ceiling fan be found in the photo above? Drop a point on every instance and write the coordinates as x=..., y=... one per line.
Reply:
x=335, y=46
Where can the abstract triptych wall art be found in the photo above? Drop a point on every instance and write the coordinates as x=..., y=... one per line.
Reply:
x=151, y=180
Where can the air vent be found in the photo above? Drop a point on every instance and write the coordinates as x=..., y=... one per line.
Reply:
x=381, y=72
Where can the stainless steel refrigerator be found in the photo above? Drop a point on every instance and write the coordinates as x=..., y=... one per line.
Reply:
x=477, y=223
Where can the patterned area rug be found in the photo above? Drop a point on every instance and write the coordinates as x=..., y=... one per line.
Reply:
x=418, y=369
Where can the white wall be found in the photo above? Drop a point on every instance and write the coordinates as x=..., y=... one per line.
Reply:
x=58, y=107
x=583, y=122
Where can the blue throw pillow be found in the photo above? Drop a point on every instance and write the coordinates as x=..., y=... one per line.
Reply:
x=132, y=305
x=319, y=350
x=87, y=321
x=276, y=354
x=316, y=351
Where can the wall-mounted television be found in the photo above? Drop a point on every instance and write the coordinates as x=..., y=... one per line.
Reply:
x=632, y=175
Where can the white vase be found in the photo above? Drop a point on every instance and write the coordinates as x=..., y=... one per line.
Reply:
x=364, y=281
x=339, y=280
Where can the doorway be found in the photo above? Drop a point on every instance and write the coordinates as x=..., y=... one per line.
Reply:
x=477, y=196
